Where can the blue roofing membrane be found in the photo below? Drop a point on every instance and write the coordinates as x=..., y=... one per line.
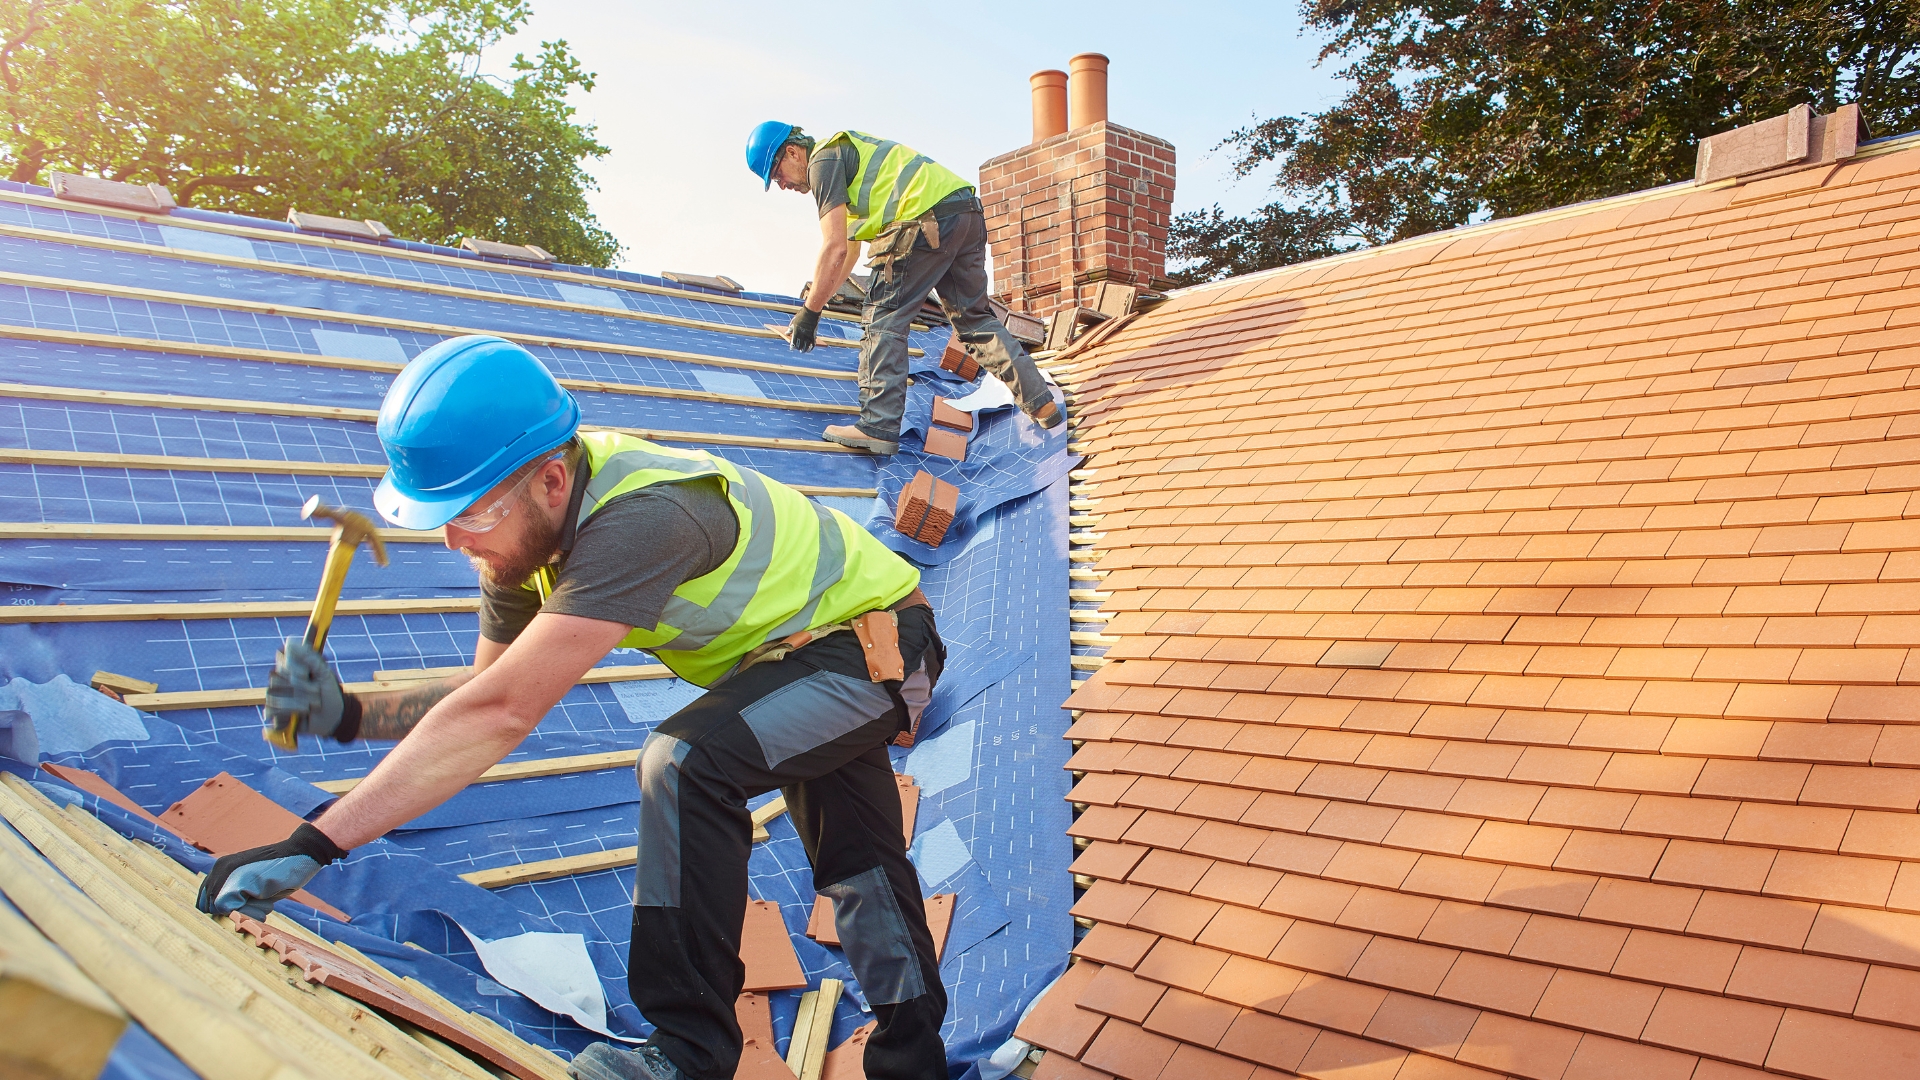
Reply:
x=152, y=312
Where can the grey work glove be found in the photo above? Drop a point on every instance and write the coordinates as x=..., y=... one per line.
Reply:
x=302, y=684
x=250, y=881
x=801, y=332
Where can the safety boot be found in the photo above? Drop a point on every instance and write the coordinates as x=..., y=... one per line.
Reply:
x=850, y=435
x=1047, y=415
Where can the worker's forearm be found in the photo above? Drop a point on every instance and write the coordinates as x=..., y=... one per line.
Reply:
x=391, y=714
x=828, y=274
x=451, y=747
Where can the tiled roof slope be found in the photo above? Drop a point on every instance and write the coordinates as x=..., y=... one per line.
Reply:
x=1517, y=663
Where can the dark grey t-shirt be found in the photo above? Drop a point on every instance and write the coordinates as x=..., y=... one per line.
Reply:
x=829, y=171
x=627, y=560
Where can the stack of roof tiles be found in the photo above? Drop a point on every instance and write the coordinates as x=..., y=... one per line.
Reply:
x=1518, y=663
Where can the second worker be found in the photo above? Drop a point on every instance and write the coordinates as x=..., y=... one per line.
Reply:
x=927, y=233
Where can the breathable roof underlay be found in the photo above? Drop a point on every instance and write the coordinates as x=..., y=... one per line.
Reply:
x=176, y=385
x=1517, y=663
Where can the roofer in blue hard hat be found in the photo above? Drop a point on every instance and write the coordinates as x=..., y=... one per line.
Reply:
x=813, y=640
x=925, y=232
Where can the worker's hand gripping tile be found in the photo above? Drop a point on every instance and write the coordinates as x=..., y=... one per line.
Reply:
x=946, y=415
x=926, y=508
x=767, y=951
x=946, y=443
x=956, y=360
x=223, y=816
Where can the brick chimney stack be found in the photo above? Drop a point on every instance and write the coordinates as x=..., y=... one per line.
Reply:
x=1087, y=201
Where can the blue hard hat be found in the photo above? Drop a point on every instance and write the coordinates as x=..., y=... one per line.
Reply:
x=763, y=149
x=460, y=418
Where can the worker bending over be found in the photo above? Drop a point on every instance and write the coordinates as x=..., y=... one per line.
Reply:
x=776, y=604
x=925, y=232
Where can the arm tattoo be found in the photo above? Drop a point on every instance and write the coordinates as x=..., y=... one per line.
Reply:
x=391, y=714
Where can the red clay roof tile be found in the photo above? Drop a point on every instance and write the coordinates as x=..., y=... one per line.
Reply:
x=1268, y=1040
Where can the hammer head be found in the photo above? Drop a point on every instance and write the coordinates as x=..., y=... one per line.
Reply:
x=350, y=526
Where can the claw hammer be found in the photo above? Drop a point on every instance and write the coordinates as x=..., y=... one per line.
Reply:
x=349, y=528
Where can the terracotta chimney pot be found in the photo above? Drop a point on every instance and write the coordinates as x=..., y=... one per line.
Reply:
x=1049, y=104
x=1089, y=89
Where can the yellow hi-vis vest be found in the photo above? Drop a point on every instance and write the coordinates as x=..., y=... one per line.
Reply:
x=797, y=565
x=894, y=183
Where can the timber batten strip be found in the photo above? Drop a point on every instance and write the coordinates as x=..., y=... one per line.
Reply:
x=348, y=363
x=34, y=392
x=257, y=695
x=163, y=462
x=65, y=530
x=521, y=873
x=521, y=770
x=243, y=609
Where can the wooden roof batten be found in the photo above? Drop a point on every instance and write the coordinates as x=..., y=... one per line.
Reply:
x=1468, y=598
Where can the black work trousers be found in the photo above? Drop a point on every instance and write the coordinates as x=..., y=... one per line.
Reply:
x=814, y=726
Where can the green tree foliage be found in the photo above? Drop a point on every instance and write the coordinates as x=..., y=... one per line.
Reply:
x=1460, y=110
x=354, y=108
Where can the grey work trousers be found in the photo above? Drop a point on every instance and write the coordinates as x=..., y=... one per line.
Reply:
x=957, y=269
x=814, y=726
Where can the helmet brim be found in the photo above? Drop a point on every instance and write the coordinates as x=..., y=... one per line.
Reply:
x=409, y=511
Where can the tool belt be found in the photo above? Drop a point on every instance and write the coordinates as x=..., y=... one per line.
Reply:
x=895, y=242
x=878, y=631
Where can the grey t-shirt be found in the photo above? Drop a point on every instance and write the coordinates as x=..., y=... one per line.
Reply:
x=829, y=171
x=626, y=560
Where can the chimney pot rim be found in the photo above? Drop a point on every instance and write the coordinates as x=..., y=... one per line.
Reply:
x=1090, y=56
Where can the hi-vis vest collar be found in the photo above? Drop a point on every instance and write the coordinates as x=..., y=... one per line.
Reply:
x=797, y=564
x=894, y=183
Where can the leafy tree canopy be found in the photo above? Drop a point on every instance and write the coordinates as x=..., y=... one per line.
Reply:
x=354, y=108
x=1460, y=110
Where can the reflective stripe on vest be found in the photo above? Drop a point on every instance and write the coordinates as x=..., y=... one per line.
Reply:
x=797, y=564
x=906, y=184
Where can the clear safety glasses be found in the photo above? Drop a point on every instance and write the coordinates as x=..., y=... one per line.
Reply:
x=489, y=517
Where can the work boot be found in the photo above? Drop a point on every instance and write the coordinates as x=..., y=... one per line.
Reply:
x=1048, y=415
x=605, y=1061
x=849, y=435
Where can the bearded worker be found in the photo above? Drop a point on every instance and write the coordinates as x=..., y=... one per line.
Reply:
x=813, y=640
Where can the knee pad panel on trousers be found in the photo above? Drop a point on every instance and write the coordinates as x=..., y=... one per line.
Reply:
x=874, y=934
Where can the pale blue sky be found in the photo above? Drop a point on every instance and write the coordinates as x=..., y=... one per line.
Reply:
x=682, y=83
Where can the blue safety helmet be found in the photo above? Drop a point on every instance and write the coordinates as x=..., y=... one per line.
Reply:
x=461, y=418
x=763, y=149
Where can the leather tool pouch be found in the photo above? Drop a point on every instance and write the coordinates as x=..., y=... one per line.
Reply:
x=895, y=242
x=879, y=634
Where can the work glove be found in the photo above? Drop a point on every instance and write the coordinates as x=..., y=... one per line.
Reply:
x=303, y=685
x=250, y=881
x=801, y=331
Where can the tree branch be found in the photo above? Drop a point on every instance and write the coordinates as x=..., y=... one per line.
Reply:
x=237, y=182
x=34, y=26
